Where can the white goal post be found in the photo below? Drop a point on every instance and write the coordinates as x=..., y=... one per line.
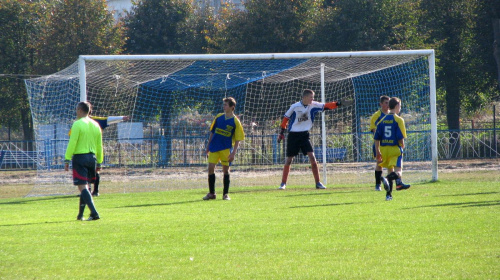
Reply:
x=171, y=98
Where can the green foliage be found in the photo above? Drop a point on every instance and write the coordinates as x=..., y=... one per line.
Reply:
x=265, y=26
x=443, y=230
x=43, y=37
x=78, y=27
x=354, y=25
x=461, y=32
x=199, y=28
x=158, y=27
x=19, y=36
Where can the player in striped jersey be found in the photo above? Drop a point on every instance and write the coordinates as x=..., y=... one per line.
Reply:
x=300, y=118
x=389, y=144
x=103, y=123
x=375, y=118
x=226, y=133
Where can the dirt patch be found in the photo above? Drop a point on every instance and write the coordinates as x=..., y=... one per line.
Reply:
x=26, y=177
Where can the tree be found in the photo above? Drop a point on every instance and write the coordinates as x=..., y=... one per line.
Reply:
x=157, y=27
x=356, y=25
x=43, y=37
x=78, y=27
x=265, y=26
x=19, y=33
x=462, y=33
x=200, y=27
x=493, y=12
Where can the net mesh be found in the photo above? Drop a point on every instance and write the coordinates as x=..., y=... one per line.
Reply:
x=171, y=104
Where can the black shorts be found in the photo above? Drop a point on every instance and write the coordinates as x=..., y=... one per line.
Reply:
x=84, y=166
x=296, y=142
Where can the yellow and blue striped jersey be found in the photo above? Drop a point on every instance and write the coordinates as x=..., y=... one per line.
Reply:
x=390, y=130
x=375, y=118
x=226, y=131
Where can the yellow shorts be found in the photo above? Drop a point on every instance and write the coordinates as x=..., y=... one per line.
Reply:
x=391, y=156
x=221, y=156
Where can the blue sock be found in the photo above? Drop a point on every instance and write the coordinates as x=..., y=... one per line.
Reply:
x=87, y=197
x=81, y=206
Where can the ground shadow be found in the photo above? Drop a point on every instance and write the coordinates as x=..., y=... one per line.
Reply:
x=24, y=201
x=159, y=204
x=466, y=194
x=460, y=204
x=37, y=223
x=324, y=205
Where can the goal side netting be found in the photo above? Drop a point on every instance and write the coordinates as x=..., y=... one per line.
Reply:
x=171, y=101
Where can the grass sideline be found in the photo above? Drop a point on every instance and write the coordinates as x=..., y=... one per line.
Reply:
x=443, y=230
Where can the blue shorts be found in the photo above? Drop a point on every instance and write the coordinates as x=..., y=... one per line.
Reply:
x=84, y=166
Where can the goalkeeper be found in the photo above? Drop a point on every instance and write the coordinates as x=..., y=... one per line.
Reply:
x=103, y=123
x=300, y=118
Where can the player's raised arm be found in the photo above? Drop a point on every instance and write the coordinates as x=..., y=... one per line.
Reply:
x=336, y=104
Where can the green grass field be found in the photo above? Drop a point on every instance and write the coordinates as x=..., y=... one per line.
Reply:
x=444, y=230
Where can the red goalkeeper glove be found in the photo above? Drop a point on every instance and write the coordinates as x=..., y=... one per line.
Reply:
x=281, y=136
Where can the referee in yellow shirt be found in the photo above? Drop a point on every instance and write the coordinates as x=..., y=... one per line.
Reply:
x=86, y=153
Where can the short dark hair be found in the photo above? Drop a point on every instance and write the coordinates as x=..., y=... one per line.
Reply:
x=393, y=102
x=384, y=98
x=230, y=101
x=307, y=92
x=85, y=106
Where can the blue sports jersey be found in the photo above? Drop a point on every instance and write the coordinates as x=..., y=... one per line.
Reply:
x=226, y=132
x=390, y=130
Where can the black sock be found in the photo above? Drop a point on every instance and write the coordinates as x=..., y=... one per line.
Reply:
x=87, y=197
x=226, y=183
x=211, y=183
x=378, y=174
x=392, y=176
x=96, y=183
x=81, y=207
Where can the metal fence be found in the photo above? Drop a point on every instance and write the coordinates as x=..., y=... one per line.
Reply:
x=185, y=150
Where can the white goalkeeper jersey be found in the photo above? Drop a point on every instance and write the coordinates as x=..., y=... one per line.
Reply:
x=302, y=116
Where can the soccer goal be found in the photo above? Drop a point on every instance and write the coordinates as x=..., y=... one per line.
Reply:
x=172, y=99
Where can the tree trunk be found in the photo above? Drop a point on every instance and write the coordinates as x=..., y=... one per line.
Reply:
x=27, y=124
x=496, y=46
x=453, y=112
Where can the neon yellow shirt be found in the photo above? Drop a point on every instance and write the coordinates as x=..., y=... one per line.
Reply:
x=85, y=137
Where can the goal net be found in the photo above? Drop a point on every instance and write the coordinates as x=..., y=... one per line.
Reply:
x=172, y=99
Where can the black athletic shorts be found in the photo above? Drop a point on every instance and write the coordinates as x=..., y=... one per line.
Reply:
x=296, y=142
x=84, y=166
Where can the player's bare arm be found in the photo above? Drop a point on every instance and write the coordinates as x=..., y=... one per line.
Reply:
x=377, y=150
x=402, y=143
x=235, y=149
x=209, y=141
